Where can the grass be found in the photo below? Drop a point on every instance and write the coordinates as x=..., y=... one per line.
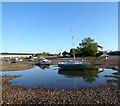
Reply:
x=8, y=66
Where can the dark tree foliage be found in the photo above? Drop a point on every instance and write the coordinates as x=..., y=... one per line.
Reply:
x=99, y=54
x=77, y=52
x=114, y=53
x=88, y=47
x=65, y=53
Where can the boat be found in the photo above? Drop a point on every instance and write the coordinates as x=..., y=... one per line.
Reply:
x=44, y=61
x=73, y=64
x=103, y=56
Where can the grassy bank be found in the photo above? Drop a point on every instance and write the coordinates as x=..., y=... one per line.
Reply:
x=8, y=66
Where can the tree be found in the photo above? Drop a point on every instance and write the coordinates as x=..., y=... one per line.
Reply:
x=88, y=47
x=37, y=55
x=64, y=53
x=76, y=52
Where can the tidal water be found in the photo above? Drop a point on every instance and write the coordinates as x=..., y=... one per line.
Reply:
x=53, y=77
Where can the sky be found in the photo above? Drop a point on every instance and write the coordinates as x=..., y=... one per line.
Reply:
x=35, y=27
x=60, y=0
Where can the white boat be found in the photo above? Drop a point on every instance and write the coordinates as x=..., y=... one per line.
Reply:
x=73, y=64
x=44, y=61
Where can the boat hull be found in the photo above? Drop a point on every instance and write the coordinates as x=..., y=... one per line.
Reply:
x=72, y=66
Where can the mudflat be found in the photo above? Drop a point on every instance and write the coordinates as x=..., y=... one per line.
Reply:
x=8, y=66
x=105, y=95
x=111, y=62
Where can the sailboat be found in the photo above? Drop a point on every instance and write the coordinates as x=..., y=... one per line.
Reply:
x=73, y=64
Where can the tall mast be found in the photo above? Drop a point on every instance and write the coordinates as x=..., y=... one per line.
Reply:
x=73, y=45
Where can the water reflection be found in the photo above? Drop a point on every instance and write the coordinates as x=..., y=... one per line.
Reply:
x=44, y=66
x=89, y=75
x=53, y=77
x=115, y=79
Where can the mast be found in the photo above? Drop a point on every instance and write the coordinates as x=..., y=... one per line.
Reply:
x=73, y=45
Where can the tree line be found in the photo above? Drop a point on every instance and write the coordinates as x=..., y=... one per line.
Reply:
x=88, y=47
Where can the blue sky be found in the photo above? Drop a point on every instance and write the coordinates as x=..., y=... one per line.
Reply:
x=35, y=27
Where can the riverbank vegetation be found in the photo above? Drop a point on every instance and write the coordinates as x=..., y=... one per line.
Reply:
x=88, y=47
x=46, y=55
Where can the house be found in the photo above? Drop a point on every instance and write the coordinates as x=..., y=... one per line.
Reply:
x=99, y=48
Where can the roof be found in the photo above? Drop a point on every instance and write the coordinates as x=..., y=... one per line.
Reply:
x=16, y=53
x=100, y=46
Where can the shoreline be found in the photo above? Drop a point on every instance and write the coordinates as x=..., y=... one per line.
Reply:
x=20, y=95
x=112, y=64
x=104, y=95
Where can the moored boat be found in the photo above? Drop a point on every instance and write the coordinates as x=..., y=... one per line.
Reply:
x=73, y=64
x=44, y=61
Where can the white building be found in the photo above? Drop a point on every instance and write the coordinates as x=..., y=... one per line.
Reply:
x=15, y=55
x=99, y=48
